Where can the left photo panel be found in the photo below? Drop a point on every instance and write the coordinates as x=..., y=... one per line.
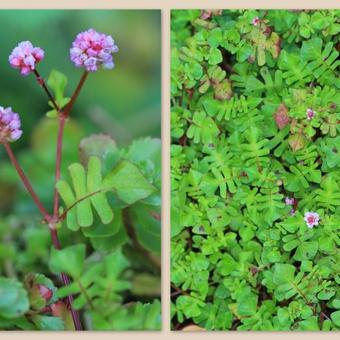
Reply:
x=80, y=170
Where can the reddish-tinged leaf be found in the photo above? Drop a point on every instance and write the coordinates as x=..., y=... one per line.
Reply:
x=281, y=116
x=45, y=292
x=60, y=309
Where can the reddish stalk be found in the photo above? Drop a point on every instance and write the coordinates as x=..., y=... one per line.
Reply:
x=58, y=163
x=27, y=183
x=75, y=95
x=63, y=115
x=50, y=220
x=66, y=281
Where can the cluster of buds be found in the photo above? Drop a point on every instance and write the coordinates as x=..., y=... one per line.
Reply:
x=292, y=202
x=92, y=49
x=25, y=57
x=9, y=125
x=45, y=292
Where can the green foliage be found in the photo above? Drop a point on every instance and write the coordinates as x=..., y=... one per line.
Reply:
x=242, y=257
x=14, y=299
x=109, y=229
x=57, y=82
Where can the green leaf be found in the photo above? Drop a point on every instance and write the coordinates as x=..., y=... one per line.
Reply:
x=57, y=81
x=190, y=306
x=98, y=145
x=48, y=323
x=283, y=273
x=146, y=221
x=69, y=260
x=13, y=299
x=89, y=190
x=128, y=182
x=306, y=251
x=335, y=316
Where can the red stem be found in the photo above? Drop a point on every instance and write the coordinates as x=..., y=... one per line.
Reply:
x=27, y=183
x=58, y=163
x=53, y=231
x=66, y=281
x=63, y=114
x=75, y=95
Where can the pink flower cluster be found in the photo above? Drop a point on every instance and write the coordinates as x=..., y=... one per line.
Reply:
x=310, y=114
x=9, y=125
x=25, y=57
x=92, y=49
x=255, y=21
x=311, y=219
x=291, y=201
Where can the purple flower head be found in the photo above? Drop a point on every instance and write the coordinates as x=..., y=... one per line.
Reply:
x=91, y=49
x=9, y=125
x=255, y=21
x=312, y=219
x=25, y=57
x=310, y=114
x=289, y=201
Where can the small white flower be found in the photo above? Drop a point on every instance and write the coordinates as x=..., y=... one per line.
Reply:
x=312, y=219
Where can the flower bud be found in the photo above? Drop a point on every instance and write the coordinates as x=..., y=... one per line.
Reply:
x=45, y=292
x=91, y=49
x=25, y=57
x=9, y=125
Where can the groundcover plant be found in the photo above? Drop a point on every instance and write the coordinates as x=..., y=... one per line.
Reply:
x=107, y=208
x=255, y=170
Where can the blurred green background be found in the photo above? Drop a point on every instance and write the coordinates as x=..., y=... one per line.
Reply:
x=124, y=102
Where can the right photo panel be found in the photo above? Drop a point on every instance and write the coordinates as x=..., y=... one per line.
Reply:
x=255, y=160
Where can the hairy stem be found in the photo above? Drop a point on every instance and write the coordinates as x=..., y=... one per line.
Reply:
x=27, y=183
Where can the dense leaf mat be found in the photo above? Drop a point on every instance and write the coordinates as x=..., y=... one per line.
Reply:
x=255, y=150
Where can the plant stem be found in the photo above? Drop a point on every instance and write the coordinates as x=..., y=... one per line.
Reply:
x=42, y=83
x=58, y=163
x=49, y=219
x=75, y=95
x=87, y=298
x=62, y=116
x=27, y=183
x=66, y=280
